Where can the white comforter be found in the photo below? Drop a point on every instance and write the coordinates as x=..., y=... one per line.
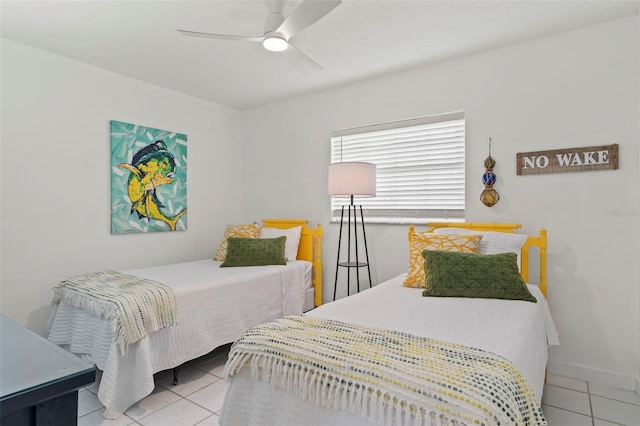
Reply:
x=214, y=306
x=520, y=331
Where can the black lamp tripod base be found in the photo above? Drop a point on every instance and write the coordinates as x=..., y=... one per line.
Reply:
x=351, y=209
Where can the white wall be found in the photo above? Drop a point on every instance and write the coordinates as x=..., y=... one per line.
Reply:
x=55, y=175
x=572, y=90
x=638, y=294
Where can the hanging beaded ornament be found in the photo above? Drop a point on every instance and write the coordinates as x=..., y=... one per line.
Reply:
x=489, y=196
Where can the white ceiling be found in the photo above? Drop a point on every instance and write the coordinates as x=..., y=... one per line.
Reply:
x=357, y=40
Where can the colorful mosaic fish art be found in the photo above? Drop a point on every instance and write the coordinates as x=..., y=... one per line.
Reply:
x=148, y=179
x=151, y=167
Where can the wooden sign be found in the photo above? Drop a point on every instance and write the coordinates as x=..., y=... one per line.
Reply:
x=601, y=157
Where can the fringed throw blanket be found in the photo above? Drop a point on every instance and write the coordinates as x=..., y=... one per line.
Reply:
x=137, y=306
x=388, y=377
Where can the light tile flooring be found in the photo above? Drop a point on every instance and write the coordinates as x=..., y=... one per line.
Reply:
x=198, y=397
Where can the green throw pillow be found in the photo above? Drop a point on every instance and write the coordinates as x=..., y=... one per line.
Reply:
x=489, y=276
x=255, y=252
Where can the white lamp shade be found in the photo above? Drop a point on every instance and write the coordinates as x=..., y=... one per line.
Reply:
x=352, y=178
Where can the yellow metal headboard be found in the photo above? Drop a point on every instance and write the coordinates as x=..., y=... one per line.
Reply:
x=309, y=249
x=539, y=241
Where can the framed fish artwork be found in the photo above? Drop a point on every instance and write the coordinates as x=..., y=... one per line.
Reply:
x=148, y=179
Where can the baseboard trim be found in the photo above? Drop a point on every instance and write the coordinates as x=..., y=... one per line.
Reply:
x=595, y=375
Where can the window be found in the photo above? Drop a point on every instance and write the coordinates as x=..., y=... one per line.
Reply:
x=419, y=166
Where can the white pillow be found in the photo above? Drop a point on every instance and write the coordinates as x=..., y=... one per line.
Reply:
x=492, y=242
x=292, y=239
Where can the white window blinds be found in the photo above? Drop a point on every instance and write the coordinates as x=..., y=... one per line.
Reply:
x=419, y=167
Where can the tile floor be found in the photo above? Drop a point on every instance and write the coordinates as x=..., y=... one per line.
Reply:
x=198, y=397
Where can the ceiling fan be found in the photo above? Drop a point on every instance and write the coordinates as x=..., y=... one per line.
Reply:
x=279, y=30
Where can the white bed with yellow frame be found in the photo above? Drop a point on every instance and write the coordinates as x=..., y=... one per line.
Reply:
x=516, y=330
x=214, y=306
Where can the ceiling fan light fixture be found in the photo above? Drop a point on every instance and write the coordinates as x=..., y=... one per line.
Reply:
x=275, y=43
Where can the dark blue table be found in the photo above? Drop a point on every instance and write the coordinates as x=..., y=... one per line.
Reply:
x=39, y=381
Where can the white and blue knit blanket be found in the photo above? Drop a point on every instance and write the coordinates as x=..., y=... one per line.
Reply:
x=136, y=306
x=387, y=377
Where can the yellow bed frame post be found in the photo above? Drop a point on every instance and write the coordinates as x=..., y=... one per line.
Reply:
x=309, y=249
x=539, y=241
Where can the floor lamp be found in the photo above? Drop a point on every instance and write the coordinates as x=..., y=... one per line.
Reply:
x=352, y=179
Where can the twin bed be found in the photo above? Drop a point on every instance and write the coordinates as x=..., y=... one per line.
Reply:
x=386, y=355
x=214, y=305
x=390, y=356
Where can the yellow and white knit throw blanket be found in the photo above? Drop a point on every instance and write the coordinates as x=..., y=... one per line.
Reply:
x=387, y=377
x=136, y=306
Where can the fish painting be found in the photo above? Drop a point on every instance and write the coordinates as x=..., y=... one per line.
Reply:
x=151, y=167
x=148, y=179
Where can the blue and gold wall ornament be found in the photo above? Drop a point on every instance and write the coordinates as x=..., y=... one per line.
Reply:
x=489, y=196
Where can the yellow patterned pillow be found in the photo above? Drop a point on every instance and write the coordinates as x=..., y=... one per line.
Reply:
x=419, y=241
x=240, y=231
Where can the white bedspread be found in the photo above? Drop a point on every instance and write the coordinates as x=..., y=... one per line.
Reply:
x=214, y=306
x=520, y=331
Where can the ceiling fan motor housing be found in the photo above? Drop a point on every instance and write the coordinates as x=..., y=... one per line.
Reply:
x=273, y=40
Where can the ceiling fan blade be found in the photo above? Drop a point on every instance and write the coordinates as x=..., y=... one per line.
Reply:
x=307, y=13
x=300, y=61
x=276, y=6
x=220, y=36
